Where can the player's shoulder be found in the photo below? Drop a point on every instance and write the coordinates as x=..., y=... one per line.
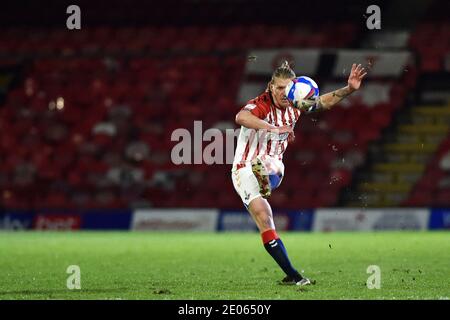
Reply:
x=263, y=101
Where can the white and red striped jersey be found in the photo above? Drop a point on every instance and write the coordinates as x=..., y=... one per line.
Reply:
x=252, y=143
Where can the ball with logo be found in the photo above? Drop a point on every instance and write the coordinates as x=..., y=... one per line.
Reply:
x=303, y=93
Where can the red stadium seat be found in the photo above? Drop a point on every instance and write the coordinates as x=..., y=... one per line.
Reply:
x=164, y=88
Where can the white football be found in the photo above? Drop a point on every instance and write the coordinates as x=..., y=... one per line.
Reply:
x=303, y=92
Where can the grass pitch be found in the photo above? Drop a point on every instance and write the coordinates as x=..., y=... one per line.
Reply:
x=222, y=266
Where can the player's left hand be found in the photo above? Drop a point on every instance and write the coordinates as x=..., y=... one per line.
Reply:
x=356, y=75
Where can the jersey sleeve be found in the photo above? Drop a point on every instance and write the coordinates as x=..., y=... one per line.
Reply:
x=259, y=110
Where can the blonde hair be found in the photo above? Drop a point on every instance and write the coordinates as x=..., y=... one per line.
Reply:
x=284, y=71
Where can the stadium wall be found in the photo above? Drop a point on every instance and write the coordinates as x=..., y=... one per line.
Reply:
x=318, y=220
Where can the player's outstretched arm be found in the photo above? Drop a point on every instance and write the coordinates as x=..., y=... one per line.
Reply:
x=247, y=119
x=330, y=99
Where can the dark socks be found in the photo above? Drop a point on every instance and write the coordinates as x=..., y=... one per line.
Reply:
x=276, y=249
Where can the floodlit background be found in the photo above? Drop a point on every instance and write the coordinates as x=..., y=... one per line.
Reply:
x=86, y=119
x=87, y=115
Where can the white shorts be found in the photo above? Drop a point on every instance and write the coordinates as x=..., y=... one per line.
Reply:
x=246, y=184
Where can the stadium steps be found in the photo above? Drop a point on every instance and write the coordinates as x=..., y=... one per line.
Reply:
x=432, y=111
x=399, y=161
x=410, y=147
x=385, y=187
x=399, y=167
x=424, y=130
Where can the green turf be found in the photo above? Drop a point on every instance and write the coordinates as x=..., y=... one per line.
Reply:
x=161, y=265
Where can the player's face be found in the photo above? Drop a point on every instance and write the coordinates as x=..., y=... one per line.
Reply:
x=278, y=92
